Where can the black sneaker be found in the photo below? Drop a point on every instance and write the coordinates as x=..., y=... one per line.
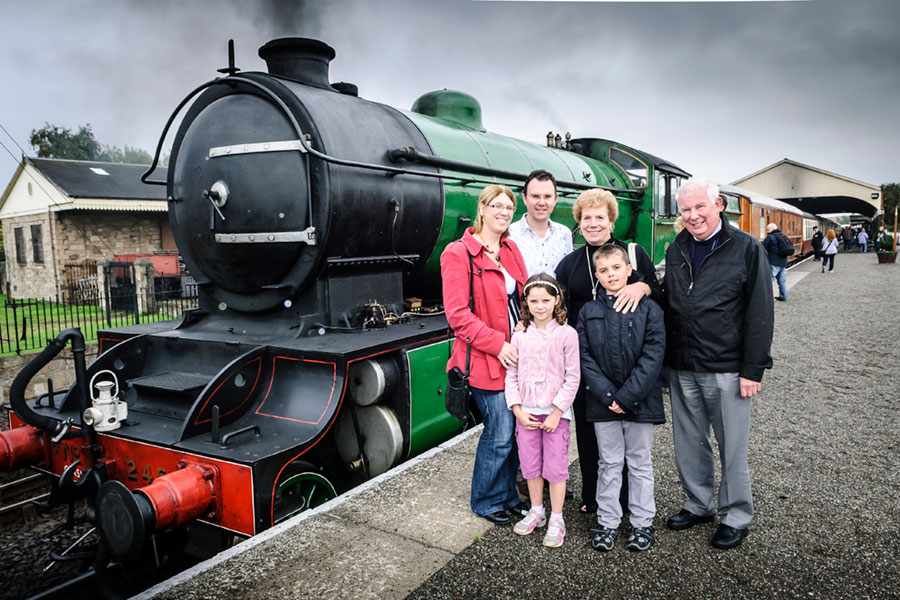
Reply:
x=604, y=538
x=641, y=538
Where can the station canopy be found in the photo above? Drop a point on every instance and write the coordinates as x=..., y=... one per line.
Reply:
x=814, y=190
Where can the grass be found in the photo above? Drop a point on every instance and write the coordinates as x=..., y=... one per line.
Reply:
x=27, y=325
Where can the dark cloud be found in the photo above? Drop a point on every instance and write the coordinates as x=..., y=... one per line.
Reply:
x=721, y=89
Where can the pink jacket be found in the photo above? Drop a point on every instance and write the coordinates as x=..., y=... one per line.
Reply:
x=549, y=368
x=488, y=327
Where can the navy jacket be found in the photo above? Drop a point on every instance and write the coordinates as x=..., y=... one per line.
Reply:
x=621, y=355
x=771, y=246
x=721, y=318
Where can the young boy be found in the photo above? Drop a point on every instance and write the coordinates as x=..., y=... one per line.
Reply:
x=621, y=356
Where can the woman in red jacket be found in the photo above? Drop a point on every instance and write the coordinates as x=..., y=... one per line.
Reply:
x=498, y=274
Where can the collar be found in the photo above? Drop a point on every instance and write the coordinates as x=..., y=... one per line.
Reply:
x=714, y=233
x=524, y=227
x=474, y=246
x=549, y=329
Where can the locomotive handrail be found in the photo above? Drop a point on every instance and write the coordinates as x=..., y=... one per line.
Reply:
x=413, y=155
x=410, y=154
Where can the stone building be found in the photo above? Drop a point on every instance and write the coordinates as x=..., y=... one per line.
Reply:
x=60, y=214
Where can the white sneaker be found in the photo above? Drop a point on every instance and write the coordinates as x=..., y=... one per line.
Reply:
x=556, y=533
x=529, y=522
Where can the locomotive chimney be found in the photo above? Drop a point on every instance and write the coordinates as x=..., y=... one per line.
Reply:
x=301, y=59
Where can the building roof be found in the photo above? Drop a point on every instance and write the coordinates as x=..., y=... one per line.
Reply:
x=91, y=179
x=788, y=161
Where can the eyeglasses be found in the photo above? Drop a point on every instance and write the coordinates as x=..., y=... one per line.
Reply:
x=503, y=207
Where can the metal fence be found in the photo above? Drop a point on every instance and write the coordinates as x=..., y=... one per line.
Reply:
x=27, y=324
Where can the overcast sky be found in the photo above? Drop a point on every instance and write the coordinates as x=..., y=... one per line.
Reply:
x=720, y=89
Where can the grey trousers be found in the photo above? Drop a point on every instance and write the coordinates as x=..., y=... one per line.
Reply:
x=701, y=401
x=616, y=441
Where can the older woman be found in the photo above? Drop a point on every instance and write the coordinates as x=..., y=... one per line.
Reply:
x=596, y=212
x=497, y=276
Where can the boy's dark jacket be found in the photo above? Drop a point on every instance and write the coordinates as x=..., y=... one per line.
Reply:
x=720, y=320
x=621, y=356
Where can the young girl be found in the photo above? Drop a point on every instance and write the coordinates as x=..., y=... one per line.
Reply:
x=540, y=390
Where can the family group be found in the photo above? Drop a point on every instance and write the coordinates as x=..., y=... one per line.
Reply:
x=548, y=334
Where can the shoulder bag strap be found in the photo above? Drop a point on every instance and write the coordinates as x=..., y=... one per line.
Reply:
x=471, y=306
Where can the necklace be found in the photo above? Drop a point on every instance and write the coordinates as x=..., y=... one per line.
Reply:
x=495, y=254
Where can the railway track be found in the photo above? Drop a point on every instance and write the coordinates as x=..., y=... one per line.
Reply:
x=17, y=497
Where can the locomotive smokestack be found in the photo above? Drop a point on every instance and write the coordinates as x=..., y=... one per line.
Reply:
x=301, y=59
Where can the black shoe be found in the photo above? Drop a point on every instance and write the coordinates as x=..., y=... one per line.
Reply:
x=685, y=519
x=728, y=537
x=519, y=510
x=498, y=518
x=780, y=299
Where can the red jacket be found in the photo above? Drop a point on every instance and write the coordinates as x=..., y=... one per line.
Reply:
x=488, y=327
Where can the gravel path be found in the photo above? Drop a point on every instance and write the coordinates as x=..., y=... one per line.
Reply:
x=824, y=457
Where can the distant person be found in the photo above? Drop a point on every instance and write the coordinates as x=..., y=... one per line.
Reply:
x=829, y=249
x=863, y=240
x=719, y=324
x=883, y=241
x=486, y=260
x=542, y=242
x=596, y=212
x=847, y=235
x=540, y=390
x=817, y=242
x=621, y=356
x=777, y=262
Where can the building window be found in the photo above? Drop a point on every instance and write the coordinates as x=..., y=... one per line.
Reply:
x=20, y=245
x=37, y=244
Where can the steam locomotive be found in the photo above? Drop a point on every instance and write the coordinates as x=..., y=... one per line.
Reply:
x=313, y=222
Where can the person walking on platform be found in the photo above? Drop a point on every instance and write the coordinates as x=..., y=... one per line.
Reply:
x=540, y=390
x=596, y=212
x=777, y=262
x=542, y=242
x=489, y=264
x=847, y=235
x=719, y=324
x=621, y=355
x=863, y=240
x=817, y=242
x=829, y=250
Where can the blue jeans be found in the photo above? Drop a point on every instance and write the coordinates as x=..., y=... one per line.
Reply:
x=779, y=274
x=496, y=459
x=863, y=246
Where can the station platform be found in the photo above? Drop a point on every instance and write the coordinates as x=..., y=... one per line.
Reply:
x=824, y=457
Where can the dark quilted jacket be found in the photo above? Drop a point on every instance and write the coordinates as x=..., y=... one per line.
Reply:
x=621, y=356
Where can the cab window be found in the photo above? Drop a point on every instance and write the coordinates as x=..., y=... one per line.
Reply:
x=636, y=170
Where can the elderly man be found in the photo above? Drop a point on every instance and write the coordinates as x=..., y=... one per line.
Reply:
x=542, y=242
x=777, y=262
x=719, y=332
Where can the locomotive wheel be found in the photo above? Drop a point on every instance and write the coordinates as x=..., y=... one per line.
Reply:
x=300, y=488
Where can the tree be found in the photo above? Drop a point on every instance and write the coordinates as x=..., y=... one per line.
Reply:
x=126, y=154
x=890, y=192
x=51, y=141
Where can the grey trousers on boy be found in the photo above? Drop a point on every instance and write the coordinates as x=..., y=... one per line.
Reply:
x=701, y=401
x=617, y=441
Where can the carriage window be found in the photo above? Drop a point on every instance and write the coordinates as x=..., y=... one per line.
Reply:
x=762, y=227
x=636, y=170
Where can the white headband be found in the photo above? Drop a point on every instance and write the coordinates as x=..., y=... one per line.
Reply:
x=547, y=283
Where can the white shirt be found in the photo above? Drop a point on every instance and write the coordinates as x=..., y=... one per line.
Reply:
x=541, y=254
